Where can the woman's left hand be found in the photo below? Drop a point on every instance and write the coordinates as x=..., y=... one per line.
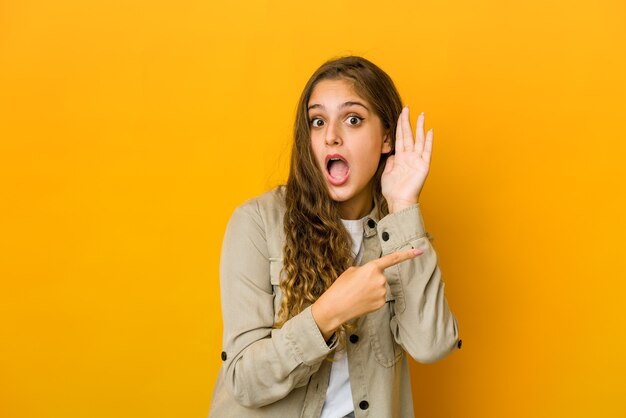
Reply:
x=406, y=171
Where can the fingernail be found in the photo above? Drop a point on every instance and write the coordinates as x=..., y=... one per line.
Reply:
x=417, y=252
x=422, y=113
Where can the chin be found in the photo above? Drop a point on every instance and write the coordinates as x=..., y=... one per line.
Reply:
x=341, y=195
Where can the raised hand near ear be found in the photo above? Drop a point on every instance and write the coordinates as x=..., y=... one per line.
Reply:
x=406, y=171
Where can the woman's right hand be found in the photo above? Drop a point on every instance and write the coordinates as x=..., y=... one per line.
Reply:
x=357, y=291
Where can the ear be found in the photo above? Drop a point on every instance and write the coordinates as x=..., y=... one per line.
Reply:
x=386, y=145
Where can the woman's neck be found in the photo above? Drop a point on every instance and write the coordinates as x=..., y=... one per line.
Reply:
x=356, y=207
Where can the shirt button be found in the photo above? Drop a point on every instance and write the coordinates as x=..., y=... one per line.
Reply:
x=385, y=236
x=364, y=405
x=223, y=355
x=371, y=223
x=354, y=338
x=459, y=343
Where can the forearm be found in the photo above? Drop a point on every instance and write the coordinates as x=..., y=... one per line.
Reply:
x=423, y=323
x=427, y=328
x=269, y=368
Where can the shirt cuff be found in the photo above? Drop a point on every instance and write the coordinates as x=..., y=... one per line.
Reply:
x=306, y=339
x=397, y=229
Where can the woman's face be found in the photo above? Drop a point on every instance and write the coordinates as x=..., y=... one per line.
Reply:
x=347, y=139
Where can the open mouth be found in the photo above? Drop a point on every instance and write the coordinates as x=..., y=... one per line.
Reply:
x=337, y=169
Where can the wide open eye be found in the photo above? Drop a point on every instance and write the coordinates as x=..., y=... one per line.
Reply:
x=314, y=122
x=354, y=120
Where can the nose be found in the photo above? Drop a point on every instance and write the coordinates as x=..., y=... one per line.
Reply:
x=333, y=135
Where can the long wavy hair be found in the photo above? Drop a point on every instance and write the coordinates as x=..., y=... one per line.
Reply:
x=317, y=248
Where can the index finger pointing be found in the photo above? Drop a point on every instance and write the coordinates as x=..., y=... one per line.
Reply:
x=397, y=257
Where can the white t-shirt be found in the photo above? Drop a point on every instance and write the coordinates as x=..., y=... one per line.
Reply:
x=338, y=402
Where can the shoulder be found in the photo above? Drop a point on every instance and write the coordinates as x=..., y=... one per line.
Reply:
x=265, y=204
x=261, y=219
x=271, y=200
x=265, y=210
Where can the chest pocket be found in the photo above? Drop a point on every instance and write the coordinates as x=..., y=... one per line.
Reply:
x=276, y=264
x=386, y=351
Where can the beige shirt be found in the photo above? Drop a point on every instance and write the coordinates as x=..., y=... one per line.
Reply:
x=281, y=373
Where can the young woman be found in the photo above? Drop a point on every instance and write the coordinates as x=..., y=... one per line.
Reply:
x=328, y=281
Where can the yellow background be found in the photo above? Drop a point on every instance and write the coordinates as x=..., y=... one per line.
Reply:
x=130, y=130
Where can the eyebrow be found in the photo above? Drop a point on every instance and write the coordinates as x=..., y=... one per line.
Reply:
x=346, y=104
